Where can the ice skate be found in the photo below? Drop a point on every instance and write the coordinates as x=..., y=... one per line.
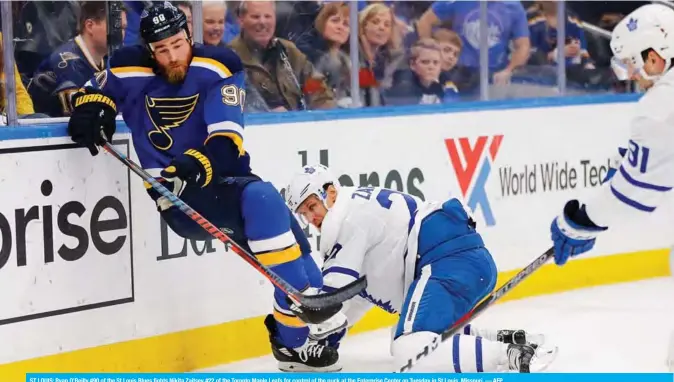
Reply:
x=308, y=358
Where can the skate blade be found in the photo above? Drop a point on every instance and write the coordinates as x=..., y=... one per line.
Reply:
x=543, y=358
x=536, y=339
x=295, y=367
x=318, y=333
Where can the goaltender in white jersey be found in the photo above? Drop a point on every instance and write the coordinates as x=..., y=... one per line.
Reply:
x=423, y=260
x=643, y=49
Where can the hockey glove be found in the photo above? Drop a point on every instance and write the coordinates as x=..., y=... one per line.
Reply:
x=573, y=232
x=93, y=113
x=192, y=166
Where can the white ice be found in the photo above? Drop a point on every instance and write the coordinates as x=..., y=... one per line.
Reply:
x=619, y=328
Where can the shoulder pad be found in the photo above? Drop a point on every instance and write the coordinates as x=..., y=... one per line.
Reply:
x=134, y=55
x=222, y=55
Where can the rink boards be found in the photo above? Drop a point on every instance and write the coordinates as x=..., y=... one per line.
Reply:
x=93, y=281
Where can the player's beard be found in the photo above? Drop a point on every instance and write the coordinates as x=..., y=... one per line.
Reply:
x=175, y=73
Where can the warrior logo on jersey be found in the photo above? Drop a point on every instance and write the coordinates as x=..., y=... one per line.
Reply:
x=167, y=114
x=472, y=176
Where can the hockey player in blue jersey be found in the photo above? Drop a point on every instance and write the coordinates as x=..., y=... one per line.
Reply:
x=183, y=103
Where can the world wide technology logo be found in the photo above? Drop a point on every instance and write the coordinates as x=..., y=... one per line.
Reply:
x=472, y=165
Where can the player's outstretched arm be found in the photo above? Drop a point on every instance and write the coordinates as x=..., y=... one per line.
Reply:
x=636, y=187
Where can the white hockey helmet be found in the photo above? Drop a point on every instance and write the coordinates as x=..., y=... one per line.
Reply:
x=648, y=27
x=312, y=180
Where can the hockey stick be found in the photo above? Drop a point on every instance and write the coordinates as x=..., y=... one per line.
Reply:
x=478, y=309
x=322, y=301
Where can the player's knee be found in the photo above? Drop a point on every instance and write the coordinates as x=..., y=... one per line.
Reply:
x=264, y=211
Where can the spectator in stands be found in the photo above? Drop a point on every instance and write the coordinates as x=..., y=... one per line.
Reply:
x=381, y=53
x=40, y=28
x=74, y=63
x=450, y=49
x=216, y=30
x=326, y=45
x=214, y=22
x=279, y=76
x=507, y=24
x=420, y=84
x=543, y=30
x=580, y=67
x=186, y=7
x=24, y=104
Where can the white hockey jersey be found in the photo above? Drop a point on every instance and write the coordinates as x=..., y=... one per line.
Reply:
x=372, y=231
x=646, y=172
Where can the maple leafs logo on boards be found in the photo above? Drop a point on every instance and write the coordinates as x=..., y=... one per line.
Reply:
x=472, y=166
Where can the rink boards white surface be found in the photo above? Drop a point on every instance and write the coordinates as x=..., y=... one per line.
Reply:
x=137, y=297
x=622, y=328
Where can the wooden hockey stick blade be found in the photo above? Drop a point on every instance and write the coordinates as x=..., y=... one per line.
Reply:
x=321, y=301
x=478, y=309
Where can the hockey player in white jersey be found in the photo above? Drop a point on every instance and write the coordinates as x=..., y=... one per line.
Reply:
x=423, y=260
x=643, y=49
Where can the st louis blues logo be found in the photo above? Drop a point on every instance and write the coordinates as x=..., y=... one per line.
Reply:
x=167, y=114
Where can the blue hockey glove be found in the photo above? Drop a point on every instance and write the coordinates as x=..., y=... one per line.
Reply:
x=573, y=232
x=192, y=166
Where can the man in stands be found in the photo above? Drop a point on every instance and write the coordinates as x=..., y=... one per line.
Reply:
x=73, y=63
x=280, y=77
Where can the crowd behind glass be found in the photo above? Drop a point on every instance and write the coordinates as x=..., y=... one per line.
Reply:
x=301, y=55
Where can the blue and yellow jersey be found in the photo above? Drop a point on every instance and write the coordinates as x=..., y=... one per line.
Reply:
x=166, y=119
x=544, y=37
x=68, y=68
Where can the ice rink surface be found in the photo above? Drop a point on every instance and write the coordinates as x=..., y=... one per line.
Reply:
x=619, y=328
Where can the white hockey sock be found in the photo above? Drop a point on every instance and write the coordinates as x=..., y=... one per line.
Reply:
x=462, y=353
x=488, y=334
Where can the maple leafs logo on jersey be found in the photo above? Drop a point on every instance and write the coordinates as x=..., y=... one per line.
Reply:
x=167, y=114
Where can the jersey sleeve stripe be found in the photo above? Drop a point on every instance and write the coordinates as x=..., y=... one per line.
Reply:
x=640, y=184
x=276, y=243
x=228, y=126
x=132, y=71
x=273, y=258
x=631, y=202
x=208, y=63
x=342, y=271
